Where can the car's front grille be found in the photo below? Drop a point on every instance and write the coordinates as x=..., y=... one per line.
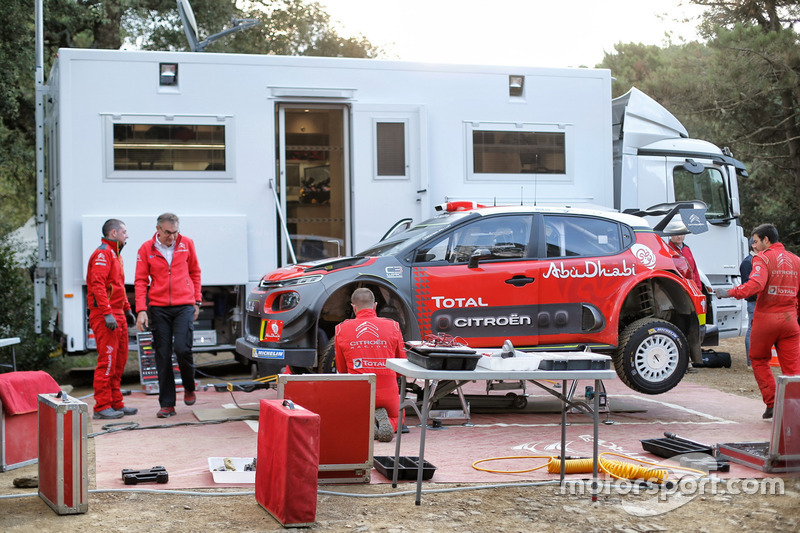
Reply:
x=253, y=325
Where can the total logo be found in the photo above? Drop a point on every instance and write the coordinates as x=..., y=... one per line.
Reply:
x=443, y=302
x=369, y=363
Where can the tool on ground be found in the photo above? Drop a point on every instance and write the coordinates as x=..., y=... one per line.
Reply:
x=157, y=474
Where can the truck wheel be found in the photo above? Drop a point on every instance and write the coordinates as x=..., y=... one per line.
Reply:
x=652, y=356
x=327, y=363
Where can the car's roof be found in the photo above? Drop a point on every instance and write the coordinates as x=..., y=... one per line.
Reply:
x=625, y=218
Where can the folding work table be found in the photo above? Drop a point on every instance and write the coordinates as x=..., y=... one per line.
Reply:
x=407, y=369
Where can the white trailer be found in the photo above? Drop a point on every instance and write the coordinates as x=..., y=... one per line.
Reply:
x=257, y=152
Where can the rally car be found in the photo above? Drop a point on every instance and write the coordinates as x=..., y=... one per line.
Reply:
x=552, y=279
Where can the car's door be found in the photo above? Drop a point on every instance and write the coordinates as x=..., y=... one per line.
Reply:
x=488, y=301
x=582, y=274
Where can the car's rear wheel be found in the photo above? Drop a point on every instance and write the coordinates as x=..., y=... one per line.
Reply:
x=652, y=356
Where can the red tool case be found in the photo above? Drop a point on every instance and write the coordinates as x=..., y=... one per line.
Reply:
x=18, y=406
x=287, y=462
x=63, y=469
x=346, y=407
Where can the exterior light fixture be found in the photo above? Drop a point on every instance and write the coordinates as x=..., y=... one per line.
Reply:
x=516, y=85
x=168, y=74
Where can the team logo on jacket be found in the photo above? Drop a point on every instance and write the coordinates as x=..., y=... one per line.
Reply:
x=367, y=328
x=369, y=363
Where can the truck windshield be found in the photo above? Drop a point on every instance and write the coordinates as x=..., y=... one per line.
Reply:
x=414, y=235
x=707, y=186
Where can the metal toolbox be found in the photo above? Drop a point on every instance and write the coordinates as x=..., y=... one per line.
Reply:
x=782, y=452
x=345, y=404
x=63, y=468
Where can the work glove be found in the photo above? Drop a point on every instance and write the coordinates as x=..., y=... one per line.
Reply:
x=130, y=318
x=721, y=293
x=111, y=322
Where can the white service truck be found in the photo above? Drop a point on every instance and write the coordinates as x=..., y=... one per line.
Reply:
x=269, y=160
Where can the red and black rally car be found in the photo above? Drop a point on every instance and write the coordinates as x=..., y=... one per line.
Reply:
x=545, y=278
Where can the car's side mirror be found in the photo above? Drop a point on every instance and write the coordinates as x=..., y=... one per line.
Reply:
x=477, y=255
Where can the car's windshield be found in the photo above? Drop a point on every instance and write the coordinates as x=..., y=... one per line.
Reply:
x=413, y=235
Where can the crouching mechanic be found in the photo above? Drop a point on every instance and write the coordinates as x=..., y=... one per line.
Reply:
x=363, y=344
x=775, y=279
x=109, y=310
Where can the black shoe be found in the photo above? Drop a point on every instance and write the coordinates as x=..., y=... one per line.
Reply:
x=767, y=413
x=405, y=429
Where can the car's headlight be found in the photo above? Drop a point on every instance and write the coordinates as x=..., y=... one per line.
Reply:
x=269, y=284
x=282, y=302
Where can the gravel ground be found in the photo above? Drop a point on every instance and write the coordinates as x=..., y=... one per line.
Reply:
x=729, y=507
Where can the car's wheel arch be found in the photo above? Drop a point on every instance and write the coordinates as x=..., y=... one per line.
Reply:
x=391, y=304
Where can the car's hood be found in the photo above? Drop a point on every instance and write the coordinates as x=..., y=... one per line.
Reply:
x=323, y=266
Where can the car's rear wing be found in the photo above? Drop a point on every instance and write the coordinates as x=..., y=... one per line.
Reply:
x=678, y=218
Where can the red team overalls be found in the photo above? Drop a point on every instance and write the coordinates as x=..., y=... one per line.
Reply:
x=105, y=283
x=363, y=344
x=776, y=280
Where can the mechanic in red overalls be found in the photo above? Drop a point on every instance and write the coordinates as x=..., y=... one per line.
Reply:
x=776, y=280
x=108, y=309
x=362, y=346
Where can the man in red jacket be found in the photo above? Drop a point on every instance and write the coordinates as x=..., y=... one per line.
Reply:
x=363, y=344
x=775, y=278
x=108, y=306
x=168, y=277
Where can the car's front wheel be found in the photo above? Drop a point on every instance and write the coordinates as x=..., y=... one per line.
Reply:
x=652, y=356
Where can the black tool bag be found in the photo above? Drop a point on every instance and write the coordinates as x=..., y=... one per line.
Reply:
x=713, y=359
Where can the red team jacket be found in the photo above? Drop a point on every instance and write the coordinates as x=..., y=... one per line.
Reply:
x=176, y=284
x=364, y=343
x=775, y=279
x=105, y=280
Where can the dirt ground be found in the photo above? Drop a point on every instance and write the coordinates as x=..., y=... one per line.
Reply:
x=506, y=509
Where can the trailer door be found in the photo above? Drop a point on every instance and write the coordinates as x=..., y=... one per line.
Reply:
x=314, y=179
x=389, y=169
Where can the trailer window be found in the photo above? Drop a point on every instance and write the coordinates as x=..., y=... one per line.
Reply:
x=518, y=152
x=707, y=186
x=391, y=148
x=176, y=147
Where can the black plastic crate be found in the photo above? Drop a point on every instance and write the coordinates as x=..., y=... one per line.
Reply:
x=667, y=447
x=444, y=361
x=576, y=362
x=407, y=467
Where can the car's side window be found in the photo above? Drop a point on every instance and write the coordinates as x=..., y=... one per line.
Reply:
x=572, y=236
x=504, y=237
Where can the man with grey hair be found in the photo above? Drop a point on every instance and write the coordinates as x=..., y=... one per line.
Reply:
x=108, y=306
x=168, y=280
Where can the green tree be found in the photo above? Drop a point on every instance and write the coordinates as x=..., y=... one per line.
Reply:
x=752, y=92
x=288, y=27
x=16, y=312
